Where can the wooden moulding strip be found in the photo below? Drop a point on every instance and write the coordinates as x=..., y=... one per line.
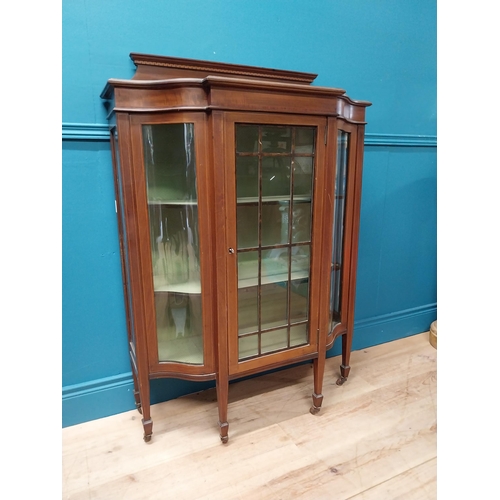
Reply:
x=211, y=67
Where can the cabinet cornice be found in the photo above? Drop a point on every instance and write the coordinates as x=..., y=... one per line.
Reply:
x=229, y=94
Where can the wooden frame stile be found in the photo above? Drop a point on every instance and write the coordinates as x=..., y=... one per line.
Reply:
x=328, y=218
x=317, y=263
x=124, y=262
x=172, y=369
x=139, y=358
x=351, y=224
x=217, y=127
x=347, y=306
x=353, y=256
x=207, y=230
x=326, y=246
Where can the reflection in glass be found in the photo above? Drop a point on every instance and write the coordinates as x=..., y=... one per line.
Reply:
x=276, y=139
x=169, y=161
x=247, y=138
x=175, y=252
x=275, y=223
x=247, y=216
x=275, y=264
x=302, y=176
x=248, y=313
x=301, y=222
x=338, y=228
x=248, y=267
x=248, y=271
x=300, y=261
x=304, y=140
x=274, y=185
x=299, y=306
x=275, y=340
x=276, y=176
x=248, y=346
x=248, y=180
x=273, y=305
x=298, y=334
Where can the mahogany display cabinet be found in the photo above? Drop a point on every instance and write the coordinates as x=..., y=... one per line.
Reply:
x=238, y=197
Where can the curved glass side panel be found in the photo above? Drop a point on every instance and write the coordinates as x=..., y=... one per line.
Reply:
x=338, y=228
x=123, y=239
x=175, y=252
x=274, y=185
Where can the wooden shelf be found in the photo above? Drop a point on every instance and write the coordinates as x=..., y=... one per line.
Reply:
x=173, y=202
x=272, y=199
x=273, y=341
x=273, y=271
x=189, y=287
x=187, y=349
x=275, y=278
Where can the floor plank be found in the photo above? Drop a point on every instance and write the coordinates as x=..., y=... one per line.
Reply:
x=375, y=438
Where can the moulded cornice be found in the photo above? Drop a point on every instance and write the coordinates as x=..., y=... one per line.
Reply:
x=165, y=64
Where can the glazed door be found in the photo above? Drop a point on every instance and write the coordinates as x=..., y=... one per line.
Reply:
x=176, y=257
x=274, y=197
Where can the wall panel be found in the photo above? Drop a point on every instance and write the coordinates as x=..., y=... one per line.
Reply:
x=384, y=52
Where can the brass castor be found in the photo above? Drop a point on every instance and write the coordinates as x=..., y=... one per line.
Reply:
x=314, y=410
x=147, y=438
x=341, y=380
x=224, y=439
x=139, y=407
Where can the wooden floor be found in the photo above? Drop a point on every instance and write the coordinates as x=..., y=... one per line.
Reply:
x=375, y=438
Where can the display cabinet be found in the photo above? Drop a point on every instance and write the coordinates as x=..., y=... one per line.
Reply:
x=238, y=197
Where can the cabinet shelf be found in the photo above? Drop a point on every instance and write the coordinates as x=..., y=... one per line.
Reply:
x=275, y=278
x=272, y=199
x=173, y=202
x=243, y=282
x=272, y=271
x=187, y=287
x=274, y=341
x=188, y=349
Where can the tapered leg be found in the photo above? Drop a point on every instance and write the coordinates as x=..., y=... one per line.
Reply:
x=222, y=385
x=147, y=422
x=145, y=409
x=141, y=397
x=137, y=396
x=346, y=356
x=319, y=371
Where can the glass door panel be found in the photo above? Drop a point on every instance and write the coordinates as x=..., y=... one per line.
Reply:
x=173, y=225
x=301, y=222
x=338, y=228
x=274, y=177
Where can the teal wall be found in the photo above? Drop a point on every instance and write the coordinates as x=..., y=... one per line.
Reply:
x=383, y=52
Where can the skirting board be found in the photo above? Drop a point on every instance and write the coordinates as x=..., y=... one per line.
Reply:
x=112, y=395
x=97, y=399
x=388, y=327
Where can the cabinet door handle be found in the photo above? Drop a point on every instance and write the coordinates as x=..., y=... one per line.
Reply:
x=231, y=250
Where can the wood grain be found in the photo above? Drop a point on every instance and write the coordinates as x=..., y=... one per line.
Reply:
x=375, y=438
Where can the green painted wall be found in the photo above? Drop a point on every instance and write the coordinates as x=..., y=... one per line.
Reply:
x=383, y=52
